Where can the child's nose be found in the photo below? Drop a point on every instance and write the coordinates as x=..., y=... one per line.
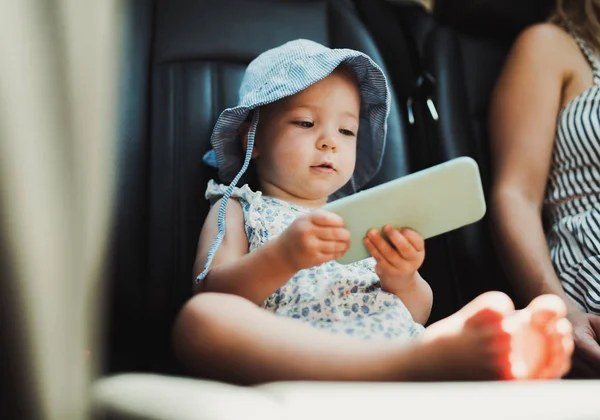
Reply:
x=327, y=142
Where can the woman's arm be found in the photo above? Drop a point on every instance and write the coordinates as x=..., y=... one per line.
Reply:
x=524, y=111
x=254, y=276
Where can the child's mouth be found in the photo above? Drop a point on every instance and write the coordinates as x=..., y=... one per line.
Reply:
x=325, y=167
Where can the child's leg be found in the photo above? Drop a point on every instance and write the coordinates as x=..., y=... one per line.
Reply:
x=228, y=338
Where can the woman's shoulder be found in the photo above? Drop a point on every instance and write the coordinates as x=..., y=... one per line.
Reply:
x=543, y=48
x=545, y=40
x=544, y=32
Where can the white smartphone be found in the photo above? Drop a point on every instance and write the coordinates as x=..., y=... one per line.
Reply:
x=432, y=201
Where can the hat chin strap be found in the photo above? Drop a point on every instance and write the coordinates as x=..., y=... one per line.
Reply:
x=223, y=207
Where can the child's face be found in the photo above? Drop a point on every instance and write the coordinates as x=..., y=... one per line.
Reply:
x=306, y=143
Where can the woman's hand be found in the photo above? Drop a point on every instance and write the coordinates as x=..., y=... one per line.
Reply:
x=397, y=259
x=586, y=333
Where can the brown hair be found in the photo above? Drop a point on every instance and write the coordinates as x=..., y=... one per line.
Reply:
x=348, y=72
x=582, y=16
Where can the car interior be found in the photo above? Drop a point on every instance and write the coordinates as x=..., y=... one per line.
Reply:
x=106, y=353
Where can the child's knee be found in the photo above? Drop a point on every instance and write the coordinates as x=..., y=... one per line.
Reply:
x=195, y=329
x=204, y=318
x=199, y=313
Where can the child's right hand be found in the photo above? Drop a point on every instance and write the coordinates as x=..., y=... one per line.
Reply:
x=313, y=239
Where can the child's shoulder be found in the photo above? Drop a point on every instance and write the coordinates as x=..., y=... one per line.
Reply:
x=215, y=191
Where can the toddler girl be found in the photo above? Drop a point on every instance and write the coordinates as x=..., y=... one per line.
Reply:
x=273, y=304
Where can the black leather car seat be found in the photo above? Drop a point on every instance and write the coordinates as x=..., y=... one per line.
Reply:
x=400, y=28
x=464, y=54
x=458, y=52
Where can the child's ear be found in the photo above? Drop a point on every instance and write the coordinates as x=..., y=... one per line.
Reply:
x=244, y=129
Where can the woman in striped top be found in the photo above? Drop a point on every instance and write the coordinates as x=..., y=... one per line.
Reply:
x=545, y=132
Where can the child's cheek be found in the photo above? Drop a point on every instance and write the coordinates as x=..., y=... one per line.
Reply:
x=289, y=156
x=350, y=159
x=293, y=149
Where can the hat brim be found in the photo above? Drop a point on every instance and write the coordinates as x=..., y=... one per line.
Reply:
x=375, y=108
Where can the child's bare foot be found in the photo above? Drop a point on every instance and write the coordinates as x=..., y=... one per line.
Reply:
x=542, y=342
x=487, y=339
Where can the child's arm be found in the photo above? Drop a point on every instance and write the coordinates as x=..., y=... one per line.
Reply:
x=233, y=270
x=310, y=240
x=397, y=268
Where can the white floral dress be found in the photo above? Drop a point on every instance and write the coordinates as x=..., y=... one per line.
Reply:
x=340, y=298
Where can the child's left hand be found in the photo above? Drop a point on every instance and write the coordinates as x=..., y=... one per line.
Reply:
x=399, y=260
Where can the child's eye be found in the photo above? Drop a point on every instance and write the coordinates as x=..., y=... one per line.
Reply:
x=347, y=132
x=304, y=124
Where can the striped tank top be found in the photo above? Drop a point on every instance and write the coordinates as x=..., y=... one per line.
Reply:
x=572, y=199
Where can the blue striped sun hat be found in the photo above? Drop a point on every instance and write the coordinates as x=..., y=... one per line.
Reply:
x=285, y=71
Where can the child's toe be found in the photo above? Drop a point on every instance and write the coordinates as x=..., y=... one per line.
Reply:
x=560, y=349
x=548, y=307
x=489, y=306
